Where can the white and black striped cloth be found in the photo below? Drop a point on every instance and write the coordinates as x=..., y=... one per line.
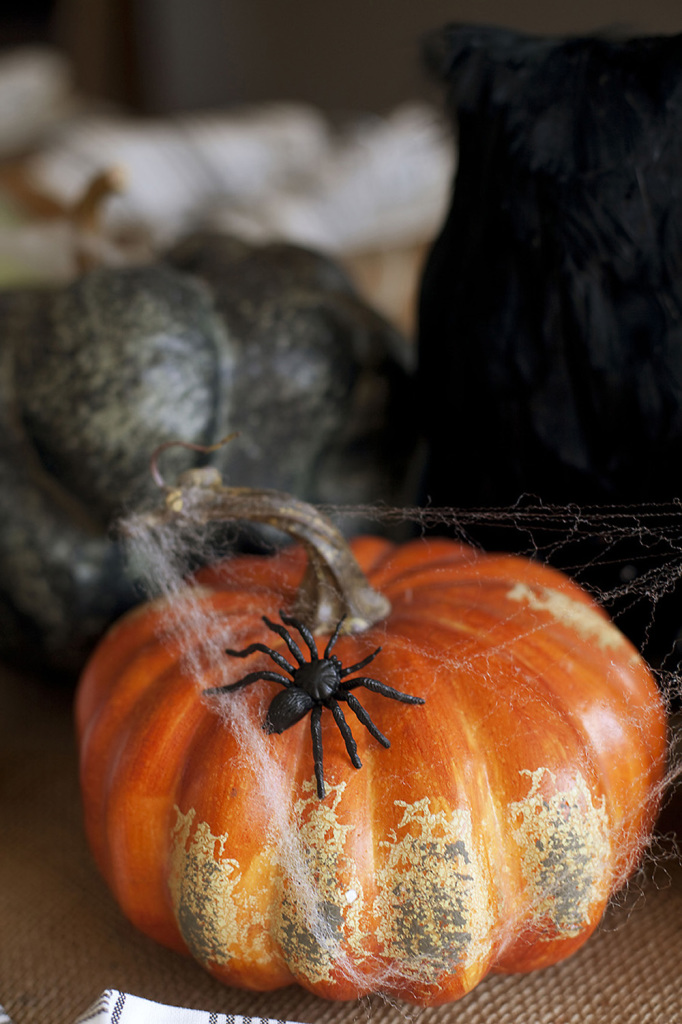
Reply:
x=114, y=1007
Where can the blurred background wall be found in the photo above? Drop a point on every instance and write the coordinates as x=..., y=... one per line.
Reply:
x=159, y=56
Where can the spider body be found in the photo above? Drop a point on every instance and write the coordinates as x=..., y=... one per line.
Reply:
x=312, y=684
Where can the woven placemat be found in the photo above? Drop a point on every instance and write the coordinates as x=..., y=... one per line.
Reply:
x=63, y=940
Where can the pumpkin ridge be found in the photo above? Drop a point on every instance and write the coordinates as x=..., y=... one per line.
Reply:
x=623, y=715
x=205, y=856
x=435, y=861
x=108, y=728
x=142, y=778
x=419, y=557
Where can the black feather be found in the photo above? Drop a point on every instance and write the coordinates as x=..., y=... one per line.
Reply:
x=550, y=336
x=551, y=306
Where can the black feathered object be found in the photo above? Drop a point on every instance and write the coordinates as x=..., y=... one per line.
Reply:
x=551, y=310
x=550, y=336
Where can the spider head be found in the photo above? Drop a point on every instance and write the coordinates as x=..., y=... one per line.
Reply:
x=320, y=679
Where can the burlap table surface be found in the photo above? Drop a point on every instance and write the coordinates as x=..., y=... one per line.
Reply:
x=63, y=940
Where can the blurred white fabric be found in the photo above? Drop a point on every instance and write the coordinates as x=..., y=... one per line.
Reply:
x=385, y=182
x=36, y=90
x=276, y=171
x=175, y=168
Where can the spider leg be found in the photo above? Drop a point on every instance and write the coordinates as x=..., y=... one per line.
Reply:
x=355, y=705
x=316, y=733
x=334, y=637
x=278, y=658
x=305, y=633
x=252, y=677
x=287, y=637
x=344, y=728
x=383, y=689
x=361, y=664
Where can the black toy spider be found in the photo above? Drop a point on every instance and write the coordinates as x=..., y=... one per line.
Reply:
x=314, y=684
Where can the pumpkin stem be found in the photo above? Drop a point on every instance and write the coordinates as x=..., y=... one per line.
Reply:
x=333, y=586
x=206, y=449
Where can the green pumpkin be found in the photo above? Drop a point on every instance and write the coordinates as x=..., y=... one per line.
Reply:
x=215, y=337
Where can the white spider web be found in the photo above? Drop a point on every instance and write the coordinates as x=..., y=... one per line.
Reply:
x=628, y=557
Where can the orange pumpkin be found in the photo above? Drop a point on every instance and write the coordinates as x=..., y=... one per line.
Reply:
x=490, y=835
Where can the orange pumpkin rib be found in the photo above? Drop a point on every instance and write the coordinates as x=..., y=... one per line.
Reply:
x=220, y=878
x=606, y=730
x=105, y=734
x=138, y=629
x=420, y=558
x=137, y=812
x=324, y=921
x=445, y=894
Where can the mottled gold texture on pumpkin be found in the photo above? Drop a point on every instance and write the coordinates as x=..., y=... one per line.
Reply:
x=216, y=914
x=565, y=851
x=314, y=938
x=584, y=619
x=432, y=910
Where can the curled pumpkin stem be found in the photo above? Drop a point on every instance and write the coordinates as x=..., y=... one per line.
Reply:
x=203, y=448
x=334, y=586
